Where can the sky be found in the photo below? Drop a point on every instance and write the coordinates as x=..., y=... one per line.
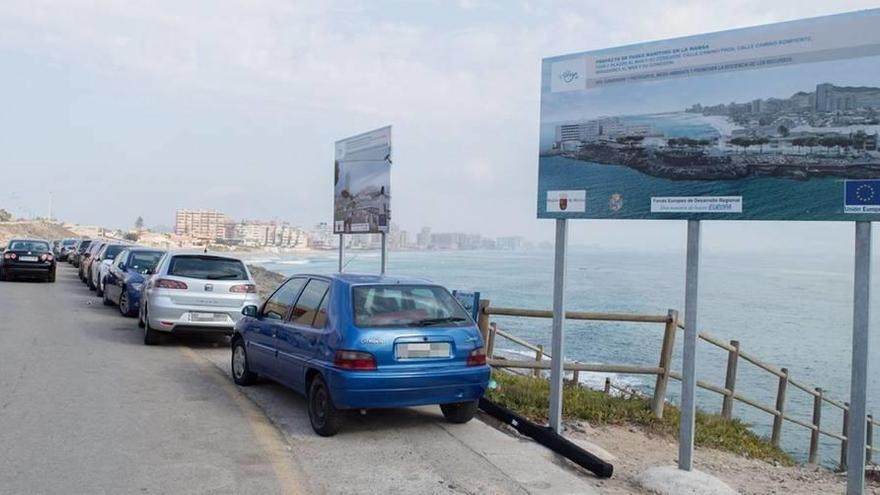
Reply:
x=117, y=109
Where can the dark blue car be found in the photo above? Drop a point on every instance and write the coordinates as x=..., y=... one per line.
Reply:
x=351, y=341
x=124, y=281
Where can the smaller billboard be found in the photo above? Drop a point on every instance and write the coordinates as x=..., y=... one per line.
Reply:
x=362, y=183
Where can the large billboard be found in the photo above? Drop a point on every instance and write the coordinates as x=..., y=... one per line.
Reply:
x=776, y=122
x=362, y=183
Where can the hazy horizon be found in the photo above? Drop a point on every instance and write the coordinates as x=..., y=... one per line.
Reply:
x=122, y=110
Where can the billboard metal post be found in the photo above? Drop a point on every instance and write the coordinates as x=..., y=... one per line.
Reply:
x=384, y=251
x=689, y=359
x=856, y=434
x=341, y=251
x=558, y=339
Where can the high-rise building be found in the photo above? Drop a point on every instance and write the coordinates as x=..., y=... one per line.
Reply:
x=824, y=97
x=201, y=224
x=423, y=239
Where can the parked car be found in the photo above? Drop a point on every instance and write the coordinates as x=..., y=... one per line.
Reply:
x=195, y=292
x=101, y=263
x=64, y=249
x=81, y=247
x=27, y=258
x=351, y=341
x=87, y=257
x=124, y=282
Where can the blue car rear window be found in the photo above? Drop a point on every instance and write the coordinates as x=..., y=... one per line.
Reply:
x=406, y=306
x=144, y=261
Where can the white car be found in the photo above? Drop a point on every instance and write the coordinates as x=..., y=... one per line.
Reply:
x=99, y=268
x=195, y=292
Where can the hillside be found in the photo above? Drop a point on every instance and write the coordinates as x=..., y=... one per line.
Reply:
x=32, y=229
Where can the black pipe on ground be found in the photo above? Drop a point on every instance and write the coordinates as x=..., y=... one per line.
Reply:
x=548, y=438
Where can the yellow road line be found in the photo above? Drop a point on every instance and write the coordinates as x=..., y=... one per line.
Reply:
x=269, y=438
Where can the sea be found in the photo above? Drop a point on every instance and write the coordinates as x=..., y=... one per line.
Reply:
x=789, y=310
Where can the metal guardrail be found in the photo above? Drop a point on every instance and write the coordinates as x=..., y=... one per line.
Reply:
x=663, y=371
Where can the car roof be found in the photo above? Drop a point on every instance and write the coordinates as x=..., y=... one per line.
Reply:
x=367, y=279
x=201, y=252
x=145, y=248
x=27, y=240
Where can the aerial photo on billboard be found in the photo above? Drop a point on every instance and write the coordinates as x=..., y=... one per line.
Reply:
x=776, y=122
x=362, y=183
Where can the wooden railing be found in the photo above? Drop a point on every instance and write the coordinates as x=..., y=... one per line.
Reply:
x=663, y=371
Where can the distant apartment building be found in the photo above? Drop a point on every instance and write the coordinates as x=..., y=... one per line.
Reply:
x=514, y=243
x=423, y=238
x=201, y=224
x=258, y=233
x=322, y=237
x=607, y=128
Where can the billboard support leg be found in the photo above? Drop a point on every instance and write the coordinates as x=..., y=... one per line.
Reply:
x=558, y=339
x=689, y=359
x=856, y=432
x=384, y=252
x=341, y=251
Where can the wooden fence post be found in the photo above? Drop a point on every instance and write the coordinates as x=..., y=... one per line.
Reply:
x=844, y=444
x=607, y=385
x=483, y=319
x=659, y=400
x=730, y=380
x=490, y=345
x=870, y=434
x=539, y=355
x=817, y=423
x=576, y=377
x=780, y=407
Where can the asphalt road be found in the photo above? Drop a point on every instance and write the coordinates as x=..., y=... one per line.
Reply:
x=85, y=407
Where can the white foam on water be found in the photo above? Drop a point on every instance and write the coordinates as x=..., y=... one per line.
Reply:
x=591, y=379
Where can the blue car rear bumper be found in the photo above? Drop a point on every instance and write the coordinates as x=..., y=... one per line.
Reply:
x=383, y=389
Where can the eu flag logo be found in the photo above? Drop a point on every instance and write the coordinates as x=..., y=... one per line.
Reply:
x=862, y=193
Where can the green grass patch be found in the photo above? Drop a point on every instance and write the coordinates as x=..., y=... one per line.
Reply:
x=530, y=397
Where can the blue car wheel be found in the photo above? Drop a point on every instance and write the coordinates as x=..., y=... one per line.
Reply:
x=460, y=412
x=124, y=308
x=325, y=418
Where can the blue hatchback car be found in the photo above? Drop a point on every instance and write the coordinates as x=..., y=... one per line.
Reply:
x=350, y=341
x=124, y=282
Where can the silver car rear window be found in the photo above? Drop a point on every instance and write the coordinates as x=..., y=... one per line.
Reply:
x=207, y=267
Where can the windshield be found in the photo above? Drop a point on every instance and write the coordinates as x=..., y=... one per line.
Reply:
x=28, y=246
x=207, y=267
x=85, y=245
x=111, y=251
x=68, y=242
x=144, y=261
x=406, y=306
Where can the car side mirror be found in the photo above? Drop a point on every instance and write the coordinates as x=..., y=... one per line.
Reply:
x=123, y=267
x=250, y=310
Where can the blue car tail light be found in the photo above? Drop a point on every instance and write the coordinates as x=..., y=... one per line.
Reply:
x=354, y=360
x=477, y=357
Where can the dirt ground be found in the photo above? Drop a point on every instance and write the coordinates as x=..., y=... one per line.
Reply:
x=635, y=450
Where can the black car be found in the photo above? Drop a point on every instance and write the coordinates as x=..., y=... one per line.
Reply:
x=28, y=258
x=64, y=248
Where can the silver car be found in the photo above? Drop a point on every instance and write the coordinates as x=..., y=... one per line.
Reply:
x=195, y=292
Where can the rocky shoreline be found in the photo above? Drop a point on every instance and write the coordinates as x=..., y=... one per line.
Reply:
x=695, y=165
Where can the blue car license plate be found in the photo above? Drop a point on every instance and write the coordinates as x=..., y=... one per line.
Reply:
x=422, y=350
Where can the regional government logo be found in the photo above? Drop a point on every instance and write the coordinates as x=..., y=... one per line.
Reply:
x=568, y=76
